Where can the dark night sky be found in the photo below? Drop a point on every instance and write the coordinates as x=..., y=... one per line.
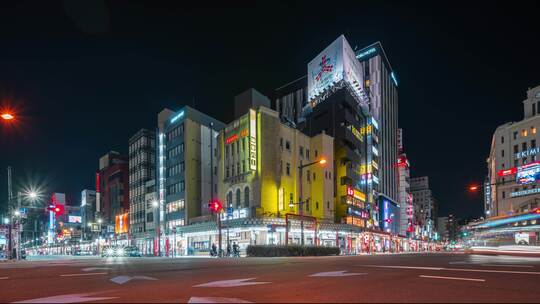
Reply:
x=84, y=79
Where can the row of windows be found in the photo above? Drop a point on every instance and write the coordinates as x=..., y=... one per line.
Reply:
x=176, y=188
x=176, y=150
x=150, y=217
x=238, y=198
x=176, y=169
x=143, y=142
x=175, y=132
x=524, y=133
x=175, y=206
x=175, y=223
x=300, y=149
x=236, y=169
x=235, y=146
x=517, y=189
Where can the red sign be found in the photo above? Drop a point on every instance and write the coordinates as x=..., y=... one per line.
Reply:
x=506, y=172
x=97, y=182
x=231, y=139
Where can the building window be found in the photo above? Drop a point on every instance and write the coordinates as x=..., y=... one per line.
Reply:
x=502, y=153
x=238, y=202
x=524, y=133
x=227, y=174
x=237, y=167
x=288, y=169
x=316, y=153
x=308, y=176
x=524, y=146
x=229, y=199
x=317, y=205
x=307, y=153
x=281, y=142
x=287, y=145
x=515, y=134
x=533, y=130
x=246, y=197
x=515, y=149
x=301, y=151
x=502, y=139
x=327, y=205
x=314, y=176
x=534, y=109
x=533, y=143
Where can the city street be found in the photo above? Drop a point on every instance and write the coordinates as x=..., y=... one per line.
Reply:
x=438, y=277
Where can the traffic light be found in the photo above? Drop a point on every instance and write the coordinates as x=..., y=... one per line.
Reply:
x=215, y=206
x=58, y=209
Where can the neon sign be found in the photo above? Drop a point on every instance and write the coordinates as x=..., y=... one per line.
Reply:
x=176, y=117
x=252, y=140
x=531, y=151
x=356, y=194
x=231, y=139
x=506, y=172
x=367, y=52
x=528, y=174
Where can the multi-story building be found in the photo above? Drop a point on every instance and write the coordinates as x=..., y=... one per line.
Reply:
x=142, y=168
x=187, y=169
x=113, y=182
x=381, y=86
x=513, y=166
x=406, y=206
x=88, y=211
x=424, y=206
x=337, y=104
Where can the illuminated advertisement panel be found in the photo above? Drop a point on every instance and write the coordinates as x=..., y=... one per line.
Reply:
x=528, y=173
x=506, y=172
x=74, y=219
x=335, y=63
x=121, y=223
x=252, y=140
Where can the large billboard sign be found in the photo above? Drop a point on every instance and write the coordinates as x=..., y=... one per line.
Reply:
x=334, y=64
x=121, y=223
x=528, y=173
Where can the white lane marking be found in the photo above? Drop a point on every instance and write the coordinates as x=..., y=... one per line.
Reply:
x=124, y=279
x=517, y=266
x=95, y=268
x=342, y=273
x=231, y=283
x=4, y=278
x=82, y=274
x=403, y=267
x=215, y=300
x=69, y=298
x=451, y=278
x=460, y=262
x=454, y=269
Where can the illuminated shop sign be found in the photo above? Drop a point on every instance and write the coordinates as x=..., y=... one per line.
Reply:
x=177, y=116
x=366, y=130
x=236, y=214
x=361, y=213
x=121, y=223
x=403, y=161
x=370, y=51
x=507, y=172
x=74, y=219
x=531, y=151
x=334, y=64
x=252, y=140
x=231, y=139
x=356, y=194
x=355, y=132
x=528, y=174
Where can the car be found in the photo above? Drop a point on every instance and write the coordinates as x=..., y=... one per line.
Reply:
x=132, y=251
x=113, y=252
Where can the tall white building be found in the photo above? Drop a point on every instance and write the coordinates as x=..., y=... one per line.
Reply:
x=424, y=207
x=406, y=207
x=513, y=168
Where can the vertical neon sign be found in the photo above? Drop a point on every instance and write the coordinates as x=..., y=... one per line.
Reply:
x=252, y=140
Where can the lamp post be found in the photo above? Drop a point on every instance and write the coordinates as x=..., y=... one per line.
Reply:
x=300, y=203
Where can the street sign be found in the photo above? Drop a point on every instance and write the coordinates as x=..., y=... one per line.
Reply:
x=230, y=210
x=23, y=212
x=96, y=228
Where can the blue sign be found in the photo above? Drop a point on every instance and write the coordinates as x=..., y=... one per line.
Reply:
x=230, y=210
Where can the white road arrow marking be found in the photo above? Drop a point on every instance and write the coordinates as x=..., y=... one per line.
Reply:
x=231, y=283
x=4, y=278
x=95, y=268
x=69, y=298
x=124, y=279
x=216, y=300
x=341, y=273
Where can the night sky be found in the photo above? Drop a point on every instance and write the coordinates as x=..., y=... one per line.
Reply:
x=84, y=78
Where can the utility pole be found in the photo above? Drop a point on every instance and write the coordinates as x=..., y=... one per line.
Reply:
x=10, y=229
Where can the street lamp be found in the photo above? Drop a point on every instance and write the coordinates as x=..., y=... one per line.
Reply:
x=300, y=203
x=7, y=116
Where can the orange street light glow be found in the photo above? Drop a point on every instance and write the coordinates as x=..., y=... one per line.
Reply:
x=7, y=116
x=473, y=188
x=322, y=161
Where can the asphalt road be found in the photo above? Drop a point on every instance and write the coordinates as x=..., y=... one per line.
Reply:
x=386, y=278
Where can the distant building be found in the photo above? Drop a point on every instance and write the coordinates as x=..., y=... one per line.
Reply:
x=424, y=207
x=142, y=168
x=114, y=190
x=513, y=165
x=406, y=218
x=88, y=211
